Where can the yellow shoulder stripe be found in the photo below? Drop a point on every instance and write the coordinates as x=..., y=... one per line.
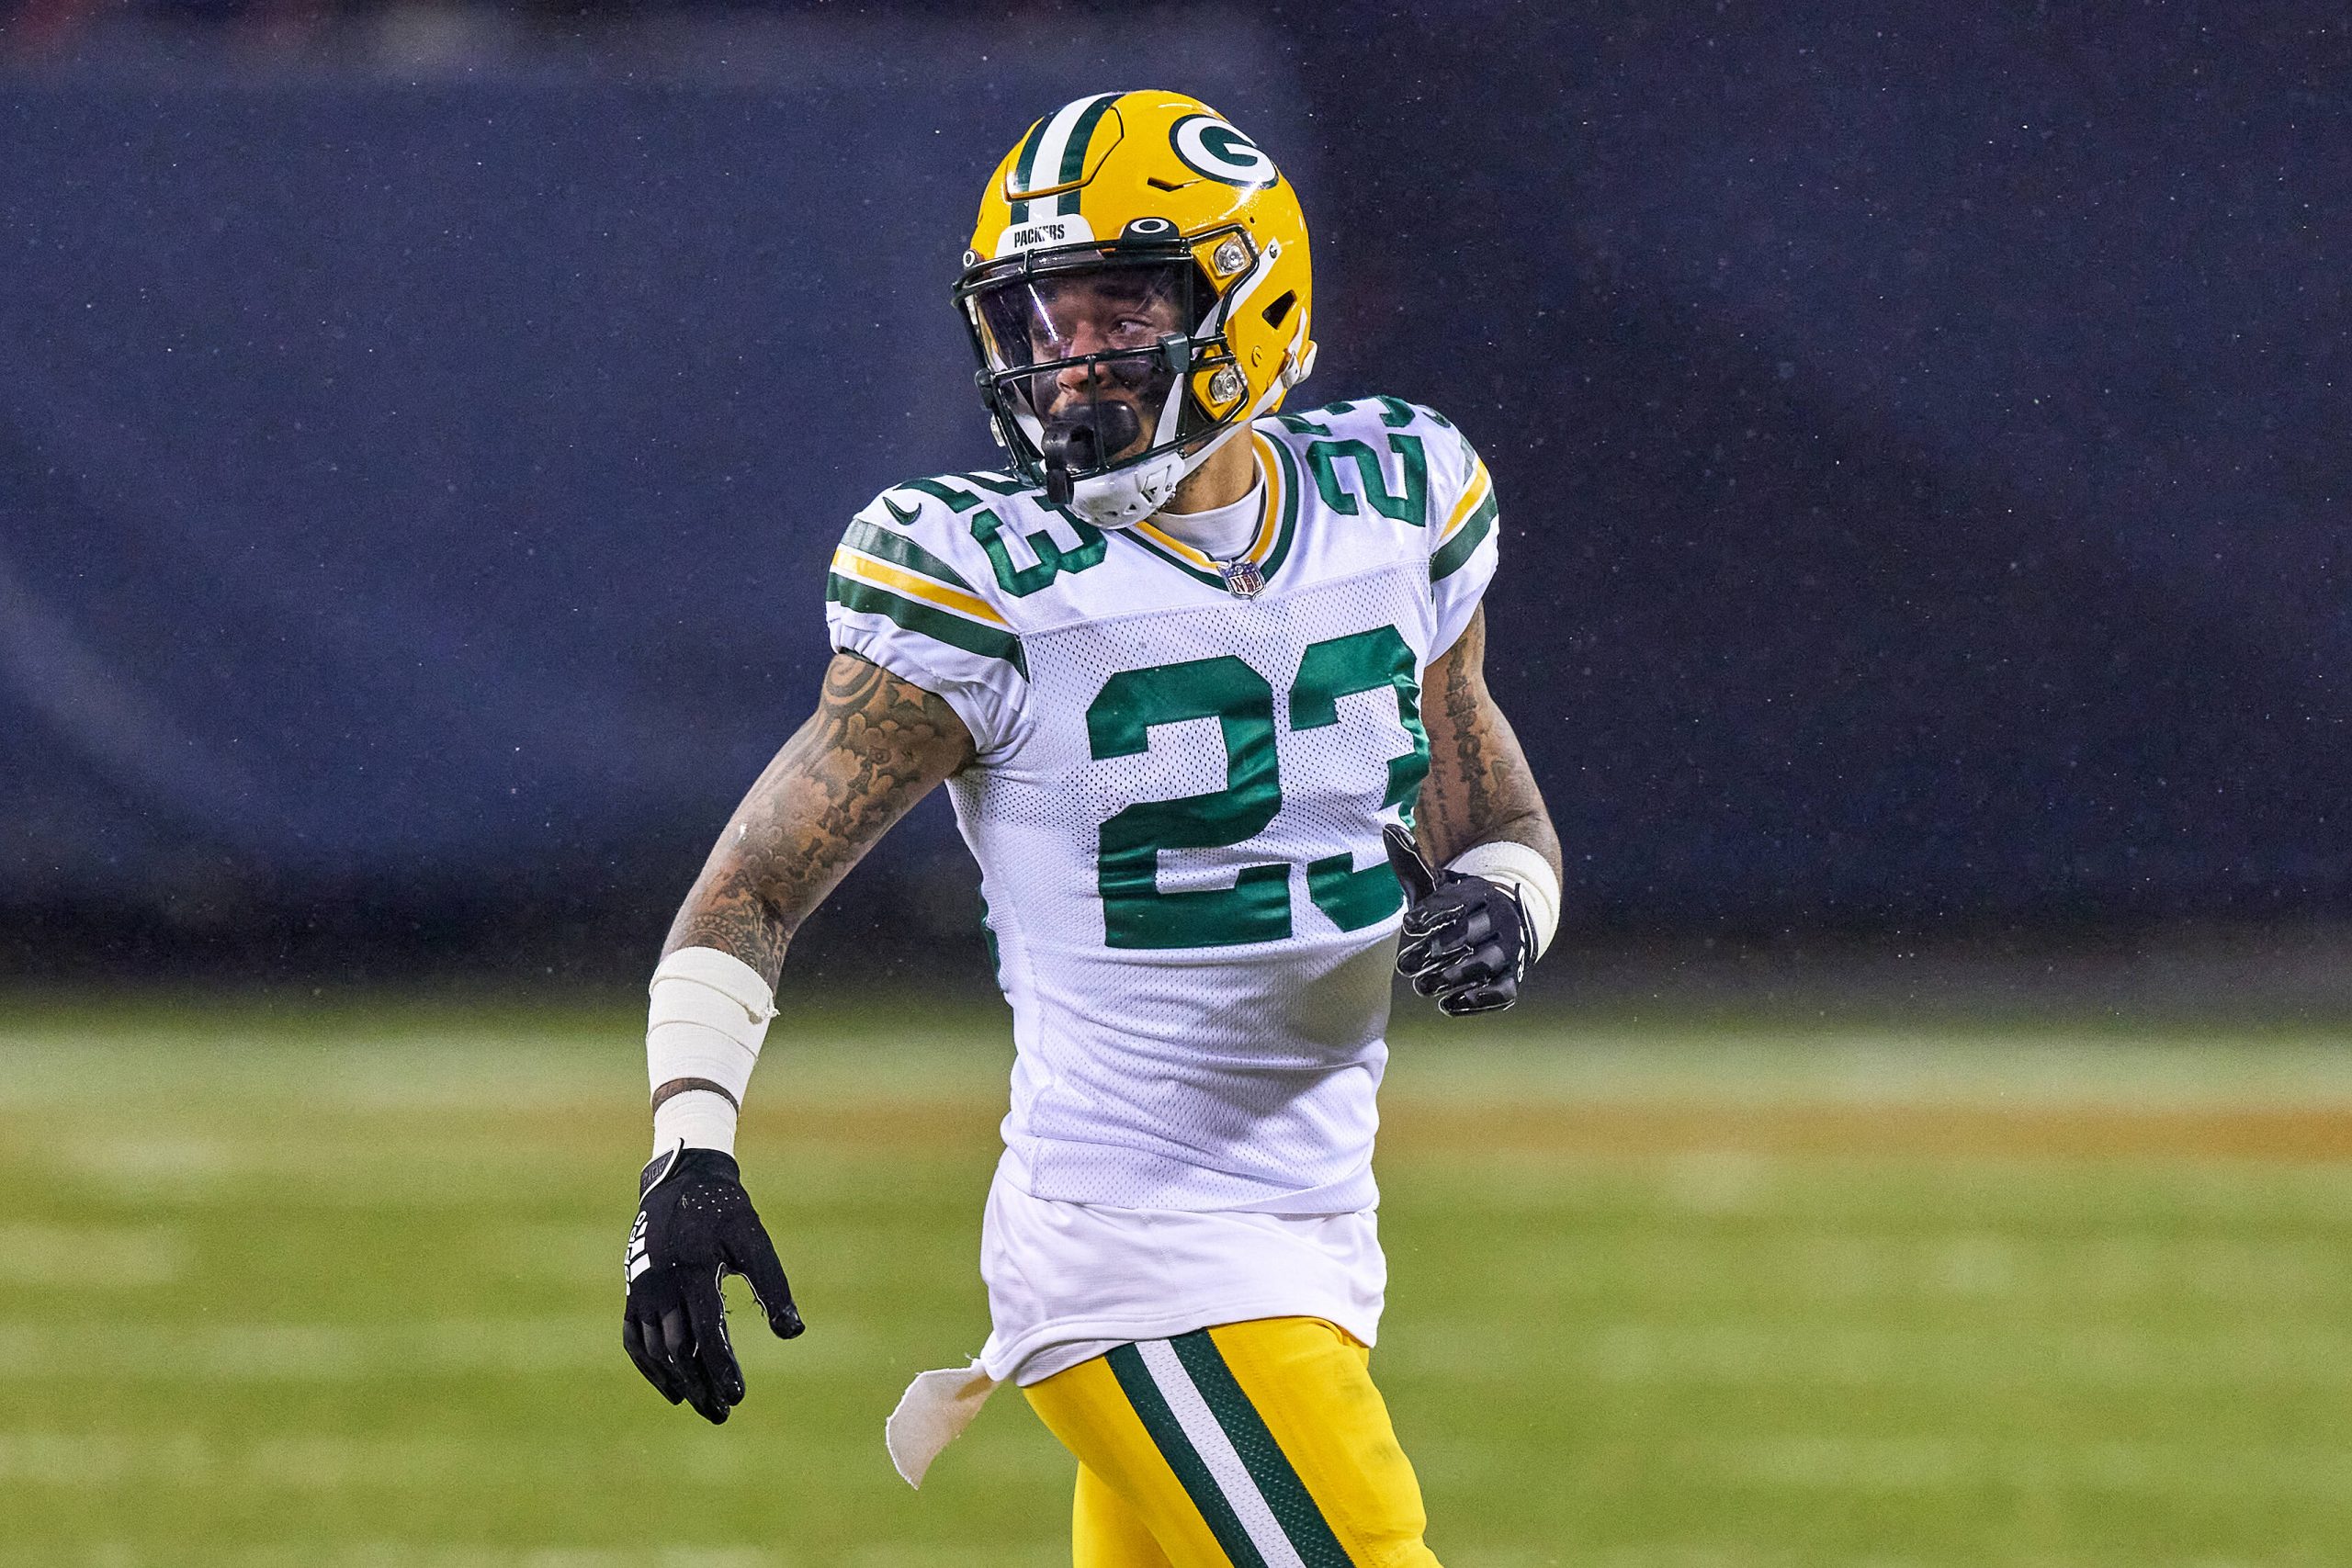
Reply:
x=1480, y=483
x=882, y=574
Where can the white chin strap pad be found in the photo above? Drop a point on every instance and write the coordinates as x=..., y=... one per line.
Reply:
x=1124, y=496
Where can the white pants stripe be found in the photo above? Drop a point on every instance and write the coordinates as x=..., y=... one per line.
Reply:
x=1217, y=1452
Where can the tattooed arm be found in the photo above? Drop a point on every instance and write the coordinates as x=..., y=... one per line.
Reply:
x=874, y=746
x=1478, y=789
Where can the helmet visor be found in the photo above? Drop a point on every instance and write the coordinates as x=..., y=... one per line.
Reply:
x=1088, y=360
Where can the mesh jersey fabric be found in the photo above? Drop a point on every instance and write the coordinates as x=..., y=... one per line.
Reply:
x=1177, y=797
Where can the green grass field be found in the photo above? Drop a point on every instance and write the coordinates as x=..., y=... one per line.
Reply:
x=341, y=1288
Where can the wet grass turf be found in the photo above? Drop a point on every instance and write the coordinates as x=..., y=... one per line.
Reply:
x=340, y=1287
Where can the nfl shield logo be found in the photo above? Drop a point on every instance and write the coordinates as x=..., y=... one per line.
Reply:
x=1243, y=579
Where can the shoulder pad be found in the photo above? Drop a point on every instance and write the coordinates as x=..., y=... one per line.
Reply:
x=916, y=538
x=984, y=534
x=955, y=495
x=1358, y=416
x=1401, y=461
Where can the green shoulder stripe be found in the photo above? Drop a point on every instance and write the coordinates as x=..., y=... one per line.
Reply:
x=940, y=626
x=889, y=546
x=1458, y=549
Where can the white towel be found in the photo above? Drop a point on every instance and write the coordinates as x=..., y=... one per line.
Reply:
x=932, y=1414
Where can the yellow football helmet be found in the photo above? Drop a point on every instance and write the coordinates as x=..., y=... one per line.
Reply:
x=1138, y=289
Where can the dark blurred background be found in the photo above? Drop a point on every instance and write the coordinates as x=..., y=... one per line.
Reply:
x=1922, y=431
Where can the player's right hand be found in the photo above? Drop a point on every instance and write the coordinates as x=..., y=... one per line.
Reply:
x=694, y=1225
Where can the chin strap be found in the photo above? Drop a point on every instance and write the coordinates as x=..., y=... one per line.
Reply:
x=1124, y=496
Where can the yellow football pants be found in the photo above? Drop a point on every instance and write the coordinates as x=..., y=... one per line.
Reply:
x=1251, y=1445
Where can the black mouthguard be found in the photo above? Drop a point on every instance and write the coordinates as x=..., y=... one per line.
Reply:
x=1081, y=442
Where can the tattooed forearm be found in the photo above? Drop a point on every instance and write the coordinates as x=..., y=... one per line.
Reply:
x=874, y=746
x=1478, y=789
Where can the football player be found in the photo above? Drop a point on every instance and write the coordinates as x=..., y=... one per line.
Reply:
x=1203, y=680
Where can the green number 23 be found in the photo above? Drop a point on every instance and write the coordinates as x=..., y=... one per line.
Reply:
x=1136, y=913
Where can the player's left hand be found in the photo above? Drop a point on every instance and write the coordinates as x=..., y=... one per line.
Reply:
x=1465, y=937
x=696, y=1225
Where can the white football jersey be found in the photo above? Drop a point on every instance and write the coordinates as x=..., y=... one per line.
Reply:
x=1183, y=768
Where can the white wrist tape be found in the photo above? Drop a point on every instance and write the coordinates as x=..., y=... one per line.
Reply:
x=698, y=1118
x=708, y=1017
x=1518, y=866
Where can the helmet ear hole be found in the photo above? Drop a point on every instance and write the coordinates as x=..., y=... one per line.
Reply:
x=1279, y=311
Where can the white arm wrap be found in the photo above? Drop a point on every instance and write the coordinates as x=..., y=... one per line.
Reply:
x=1518, y=866
x=709, y=1015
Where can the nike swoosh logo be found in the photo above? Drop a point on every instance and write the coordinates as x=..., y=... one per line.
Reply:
x=908, y=516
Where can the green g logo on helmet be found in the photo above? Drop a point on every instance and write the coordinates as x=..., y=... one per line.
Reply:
x=1208, y=145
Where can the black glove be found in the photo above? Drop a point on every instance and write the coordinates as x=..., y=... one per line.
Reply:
x=1465, y=937
x=694, y=1224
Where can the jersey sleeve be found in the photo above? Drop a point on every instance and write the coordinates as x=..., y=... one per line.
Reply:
x=1463, y=538
x=895, y=596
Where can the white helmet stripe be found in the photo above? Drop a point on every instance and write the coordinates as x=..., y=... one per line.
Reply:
x=1041, y=168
